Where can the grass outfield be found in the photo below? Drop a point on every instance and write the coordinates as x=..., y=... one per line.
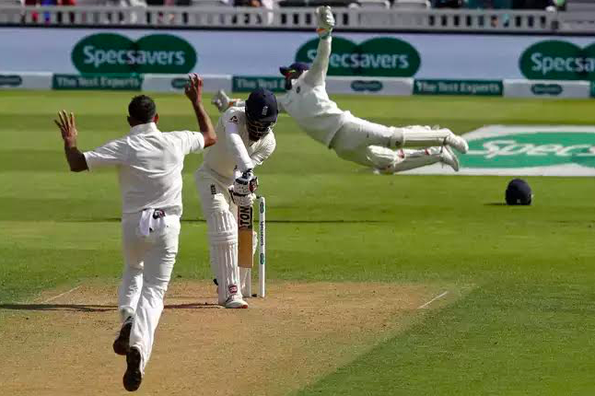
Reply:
x=524, y=326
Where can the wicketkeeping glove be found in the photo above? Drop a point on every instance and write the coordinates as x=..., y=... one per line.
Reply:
x=326, y=21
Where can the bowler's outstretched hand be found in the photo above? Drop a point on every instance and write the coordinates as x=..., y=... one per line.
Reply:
x=193, y=91
x=67, y=125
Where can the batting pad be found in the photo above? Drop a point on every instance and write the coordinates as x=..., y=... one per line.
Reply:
x=223, y=240
x=419, y=136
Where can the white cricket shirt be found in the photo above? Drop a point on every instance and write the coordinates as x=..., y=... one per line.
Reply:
x=308, y=103
x=234, y=152
x=149, y=165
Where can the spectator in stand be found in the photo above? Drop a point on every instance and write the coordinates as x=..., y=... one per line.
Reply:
x=67, y=3
x=134, y=16
x=247, y=3
x=268, y=4
x=45, y=3
x=552, y=5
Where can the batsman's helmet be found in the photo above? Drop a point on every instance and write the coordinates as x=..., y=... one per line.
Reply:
x=261, y=113
x=518, y=192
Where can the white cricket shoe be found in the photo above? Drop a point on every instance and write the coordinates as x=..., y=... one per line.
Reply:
x=235, y=302
x=449, y=158
x=457, y=142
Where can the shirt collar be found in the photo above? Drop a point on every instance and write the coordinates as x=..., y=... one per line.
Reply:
x=142, y=129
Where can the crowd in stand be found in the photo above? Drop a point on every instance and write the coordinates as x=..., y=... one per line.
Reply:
x=551, y=5
x=502, y=4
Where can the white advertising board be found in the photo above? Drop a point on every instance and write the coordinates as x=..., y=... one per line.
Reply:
x=547, y=89
x=13, y=80
x=260, y=53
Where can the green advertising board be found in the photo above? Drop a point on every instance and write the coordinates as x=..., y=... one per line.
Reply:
x=458, y=87
x=558, y=60
x=124, y=82
x=250, y=83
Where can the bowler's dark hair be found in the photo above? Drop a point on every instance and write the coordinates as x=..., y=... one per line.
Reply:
x=142, y=109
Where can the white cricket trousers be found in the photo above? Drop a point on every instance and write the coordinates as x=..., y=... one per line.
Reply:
x=149, y=261
x=220, y=214
x=380, y=146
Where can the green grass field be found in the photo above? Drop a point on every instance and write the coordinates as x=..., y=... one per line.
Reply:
x=525, y=327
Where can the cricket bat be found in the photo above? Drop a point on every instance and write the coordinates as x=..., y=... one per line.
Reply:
x=245, y=239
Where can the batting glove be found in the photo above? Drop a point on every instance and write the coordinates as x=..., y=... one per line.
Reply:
x=242, y=200
x=245, y=184
x=242, y=191
x=326, y=21
x=221, y=101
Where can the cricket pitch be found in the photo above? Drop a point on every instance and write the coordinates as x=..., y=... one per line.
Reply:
x=300, y=333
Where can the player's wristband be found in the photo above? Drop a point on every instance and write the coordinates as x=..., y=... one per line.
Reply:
x=323, y=33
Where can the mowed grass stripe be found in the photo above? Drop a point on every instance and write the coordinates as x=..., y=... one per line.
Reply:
x=502, y=339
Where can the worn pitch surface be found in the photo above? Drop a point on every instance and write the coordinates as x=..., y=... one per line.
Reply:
x=282, y=343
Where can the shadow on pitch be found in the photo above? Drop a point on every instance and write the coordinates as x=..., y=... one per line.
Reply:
x=94, y=308
x=59, y=307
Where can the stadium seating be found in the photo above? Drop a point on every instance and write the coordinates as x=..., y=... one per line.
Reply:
x=409, y=15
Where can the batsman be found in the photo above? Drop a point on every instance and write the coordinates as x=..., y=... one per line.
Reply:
x=226, y=184
x=388, y=149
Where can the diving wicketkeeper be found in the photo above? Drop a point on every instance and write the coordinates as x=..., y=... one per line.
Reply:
x=354, y=139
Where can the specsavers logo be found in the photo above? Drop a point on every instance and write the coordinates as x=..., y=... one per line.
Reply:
x=114, y=53
x=507, y=150
x=380, y=57
x=558, y=60
x=533, y=150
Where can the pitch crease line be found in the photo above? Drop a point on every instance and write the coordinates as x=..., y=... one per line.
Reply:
x=432, y=300
x=60, y=295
